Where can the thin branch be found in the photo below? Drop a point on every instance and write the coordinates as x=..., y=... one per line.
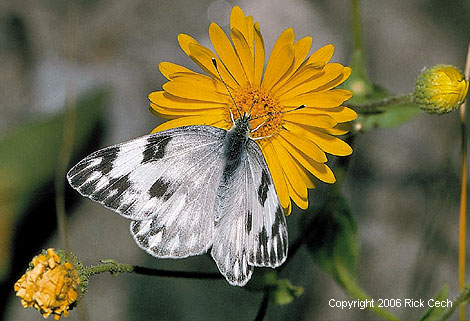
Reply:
x=263, y=308
x=463, y=192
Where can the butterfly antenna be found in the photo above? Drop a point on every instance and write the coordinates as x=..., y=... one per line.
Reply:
x=281, y=112
x=214, y=62
x=272, y=114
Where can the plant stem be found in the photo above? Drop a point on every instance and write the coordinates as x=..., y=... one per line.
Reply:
x=114, y=268
x=356, y=25
x=263, y=307
x=355, y=291
x=376, y=106
x=462, y=298
x=463, y=193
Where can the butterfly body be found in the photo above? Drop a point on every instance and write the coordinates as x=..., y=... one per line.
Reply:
x=189, y=190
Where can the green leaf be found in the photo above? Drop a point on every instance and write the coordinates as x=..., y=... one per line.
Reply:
x=392, y=116
x=283, y=292
x=433, y=313
x=332, y=239
x=28, y=162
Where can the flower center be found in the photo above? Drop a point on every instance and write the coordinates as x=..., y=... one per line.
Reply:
x=259, y=103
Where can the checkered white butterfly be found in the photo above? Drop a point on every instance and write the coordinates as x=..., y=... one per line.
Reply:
x=193, y=189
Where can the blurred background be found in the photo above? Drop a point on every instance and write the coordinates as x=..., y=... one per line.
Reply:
x=402, y=183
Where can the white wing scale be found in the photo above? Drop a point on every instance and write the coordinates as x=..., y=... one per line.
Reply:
x=164, y=182
x=250, y=226
x=167, y=182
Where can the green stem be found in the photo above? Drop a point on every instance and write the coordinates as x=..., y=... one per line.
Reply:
x=376, y=106
x=462, y=298
x=356, y=25
x=114, y=268
x=355, y=291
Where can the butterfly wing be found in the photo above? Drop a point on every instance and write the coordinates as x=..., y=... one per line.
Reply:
x=250, y=227
x=164, y=182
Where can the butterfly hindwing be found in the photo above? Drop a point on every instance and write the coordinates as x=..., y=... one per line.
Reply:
x=164, y=182
x=250, y=227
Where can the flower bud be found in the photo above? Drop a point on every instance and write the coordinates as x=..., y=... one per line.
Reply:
x=440, y=89
x=52, y=284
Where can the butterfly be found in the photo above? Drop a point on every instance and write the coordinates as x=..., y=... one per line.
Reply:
x=191, y=190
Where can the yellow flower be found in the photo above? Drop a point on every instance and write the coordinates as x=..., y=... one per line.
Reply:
x=293, y=143
x=440, y=89
x=51, y=285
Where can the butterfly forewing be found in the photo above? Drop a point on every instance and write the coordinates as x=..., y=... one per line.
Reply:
x=250, y=227
x=165, y=182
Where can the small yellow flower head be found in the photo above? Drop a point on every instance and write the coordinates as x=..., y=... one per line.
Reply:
x=440, y=89
x=51, y=284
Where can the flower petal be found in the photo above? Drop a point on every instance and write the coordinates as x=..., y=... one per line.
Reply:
x=244, y=53
x=171, y=113
x=277, y=174
x=212, y=120
x=327, y=143
x=301, y=49
x=227, y=54
x=187, y=88
x=203, y=58
x=328, y=99
x=294, y=143
x=290, y=169
x=169, y=68
x=322, y=121
x=277, y=66
x=169, y=101
x=281, y=59
x=319, y=170
x=243, y=24
x=259, y=55
x=340, y=114
x=337, y=81
x=303, y=74
x=330, y=72
x=322, y=55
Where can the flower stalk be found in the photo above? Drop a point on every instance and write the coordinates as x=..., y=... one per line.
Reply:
x=463, y=192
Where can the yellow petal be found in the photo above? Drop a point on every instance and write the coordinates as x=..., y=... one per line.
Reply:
x=295, y=144
x=194, y=120
x=243, y=24
x=337, y=81
x=224, y=49
x=340, y=114
x=290, y=170
x=277, y=174
x=244, y=53
x=328, y=99
x=169, y=101
x=277, y=66
x=331, y=72
x=203, y=58
x=322, y=55
x=322, y=121
x=186, y=88
x=327, y=143
x=319, y=170
x=168, y=68
x=302, y=75
x=281, y=59
x=299, y=200
x=170, y=113
x=337, y=130
x=259, y=55
x=301, y=49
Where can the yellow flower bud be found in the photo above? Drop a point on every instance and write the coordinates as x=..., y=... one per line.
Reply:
x=440, y=89
x=51, y=284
